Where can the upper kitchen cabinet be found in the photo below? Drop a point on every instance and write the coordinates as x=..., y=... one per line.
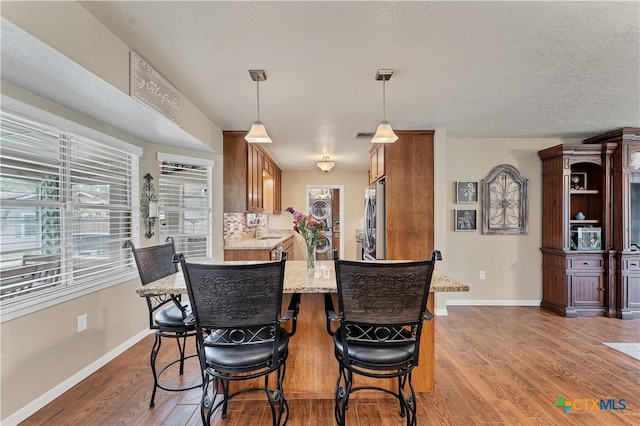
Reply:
x=271, y=187
x=577, y=230
x=376, y=162
x=252, y=180
x=625, y=256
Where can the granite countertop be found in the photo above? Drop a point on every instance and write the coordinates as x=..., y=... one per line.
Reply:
x=296, y=280
x=263, y=242
x=323, y=280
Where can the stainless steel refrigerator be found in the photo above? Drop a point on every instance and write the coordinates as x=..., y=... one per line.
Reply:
x=374, y=222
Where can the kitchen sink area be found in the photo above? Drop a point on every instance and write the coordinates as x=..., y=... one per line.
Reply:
x=256, y=241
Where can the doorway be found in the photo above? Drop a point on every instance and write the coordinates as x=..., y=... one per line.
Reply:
x=325, y=203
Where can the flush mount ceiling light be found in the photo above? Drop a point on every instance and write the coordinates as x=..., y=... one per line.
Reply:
x=325, y=165
x=258, y=133
x=384, y=134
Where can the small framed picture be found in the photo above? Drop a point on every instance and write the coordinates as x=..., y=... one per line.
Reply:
x=466, y=220
x=466, y=192
x=578, y=181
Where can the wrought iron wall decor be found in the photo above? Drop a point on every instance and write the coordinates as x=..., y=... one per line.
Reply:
x=505, y=201
x=149, y=205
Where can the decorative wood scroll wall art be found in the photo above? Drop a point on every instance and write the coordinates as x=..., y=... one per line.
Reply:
x=505, y=199
x=149, y=87
x=149, y=205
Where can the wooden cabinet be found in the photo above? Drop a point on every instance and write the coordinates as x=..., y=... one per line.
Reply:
x=623, y=263
x=376, y=162
x=262, y=255
x=287, y=247
x=408, y=165
x=577, y=229
x=586, y=280
x=251, y=178
x=271, y=187
x=255, y=170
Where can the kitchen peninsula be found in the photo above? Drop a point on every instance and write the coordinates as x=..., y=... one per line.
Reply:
x=311, y=367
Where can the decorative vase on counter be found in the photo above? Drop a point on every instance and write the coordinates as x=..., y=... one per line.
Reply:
x=311, y=255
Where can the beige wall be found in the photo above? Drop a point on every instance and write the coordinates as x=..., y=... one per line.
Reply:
x=41, y=350
x=512, y=262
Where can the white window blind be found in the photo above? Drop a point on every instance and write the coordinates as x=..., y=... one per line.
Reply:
x=184, y=205
x=66, y=209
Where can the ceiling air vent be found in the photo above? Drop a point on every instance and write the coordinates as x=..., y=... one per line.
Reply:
x=364, y=135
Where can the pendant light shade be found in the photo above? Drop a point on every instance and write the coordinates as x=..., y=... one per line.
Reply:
x=325, y=165
x=258, y=133
x=384, y=133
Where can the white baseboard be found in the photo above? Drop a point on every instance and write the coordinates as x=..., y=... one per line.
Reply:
x=54, y=393
x=488, y=302
x=462, y=302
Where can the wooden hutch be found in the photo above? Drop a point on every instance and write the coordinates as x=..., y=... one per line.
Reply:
x=591, y=226
x=624, y=258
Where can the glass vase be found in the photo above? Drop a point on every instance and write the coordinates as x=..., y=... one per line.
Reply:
x=311, y=256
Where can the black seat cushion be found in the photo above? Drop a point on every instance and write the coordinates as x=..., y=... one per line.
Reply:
x=171, y=316
x=236, y=357
x=375, y=354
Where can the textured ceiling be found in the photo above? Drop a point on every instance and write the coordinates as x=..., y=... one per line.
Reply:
x=477, y=69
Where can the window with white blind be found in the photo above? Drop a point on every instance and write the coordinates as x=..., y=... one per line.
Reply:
x=66, y=209
x=184, y=203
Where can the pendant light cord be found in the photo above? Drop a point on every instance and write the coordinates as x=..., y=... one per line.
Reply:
x=384, y=103
x=258, y=92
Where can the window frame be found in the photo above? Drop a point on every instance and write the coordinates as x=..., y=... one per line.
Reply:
x=191, y=161
x=34, y=302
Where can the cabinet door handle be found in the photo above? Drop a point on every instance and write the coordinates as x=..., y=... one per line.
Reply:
x=585, y=263
x=601, y=289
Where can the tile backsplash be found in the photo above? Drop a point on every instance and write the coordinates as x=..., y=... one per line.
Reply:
x=235, y=226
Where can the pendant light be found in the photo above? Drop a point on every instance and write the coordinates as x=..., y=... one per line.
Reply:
x=258, y=133
x=325, y=165
x=384, y=133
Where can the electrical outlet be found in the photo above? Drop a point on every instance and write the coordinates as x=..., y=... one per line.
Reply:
x=483, y=275
x=82, y=323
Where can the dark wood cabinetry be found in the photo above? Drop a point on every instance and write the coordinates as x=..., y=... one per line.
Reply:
x=576, y=229
x=623, y=265
x=252, y=180
x=589, y=261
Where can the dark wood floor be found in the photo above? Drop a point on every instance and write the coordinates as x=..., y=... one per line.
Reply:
x=494, y=366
